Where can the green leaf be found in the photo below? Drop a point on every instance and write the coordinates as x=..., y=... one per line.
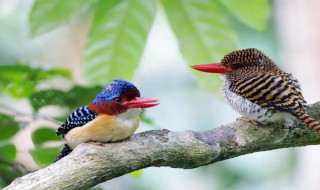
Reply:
x=2, y=181
x=117, y=39
x=47, y=97
x=75, y=97
x=20, y=80
x=45, y=156
x=203, y=33
x=254, y=14
x=42, y=135
x=8, y=127
x=8, y=151
x=47, y=15
x=137, y=173
x=80, y=96
x=9, y=172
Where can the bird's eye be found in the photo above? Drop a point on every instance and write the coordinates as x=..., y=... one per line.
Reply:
x=118, y=99
x=236, y=66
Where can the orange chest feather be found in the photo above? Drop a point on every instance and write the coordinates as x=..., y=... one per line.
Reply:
x=104, y=128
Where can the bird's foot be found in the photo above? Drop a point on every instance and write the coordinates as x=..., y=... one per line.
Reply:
x=247, y=120
x=96, y=143
x=287, y=124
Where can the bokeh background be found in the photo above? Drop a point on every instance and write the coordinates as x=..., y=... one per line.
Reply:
x=55, y=55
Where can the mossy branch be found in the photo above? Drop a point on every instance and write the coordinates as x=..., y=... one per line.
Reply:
x=89, y=164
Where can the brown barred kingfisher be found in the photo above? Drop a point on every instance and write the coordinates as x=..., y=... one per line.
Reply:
x=112, y=116
x=256, y=88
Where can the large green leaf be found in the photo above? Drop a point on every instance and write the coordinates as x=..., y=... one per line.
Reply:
x=117, y=39
x=20, y=80
x=45, y=156
x=44, y=134
x=8, y=151
x=254, y=14
x=203, y=33
x=8, y=127
x=47, y=15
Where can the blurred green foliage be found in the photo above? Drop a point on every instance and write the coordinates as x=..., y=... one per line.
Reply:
x=119, y=30
x=45, y=156
x=47, y=15
x=117, y=37
x=9, y=171
x=8, y=127
x=20, y=80
x=137, y=173
x=115, y=43
x=8, y=151
x=253, y=14
x=44, y=134
x=204, y=37
x=74, y=98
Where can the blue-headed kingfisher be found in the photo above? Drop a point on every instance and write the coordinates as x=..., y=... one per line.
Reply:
x=259, y=90
x=112, y=116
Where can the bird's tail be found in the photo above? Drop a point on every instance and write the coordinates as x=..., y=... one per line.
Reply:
x=309, y=121
x=64, y=152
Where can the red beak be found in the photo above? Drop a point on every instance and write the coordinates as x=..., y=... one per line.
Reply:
x=139, y=102
x=212, y=68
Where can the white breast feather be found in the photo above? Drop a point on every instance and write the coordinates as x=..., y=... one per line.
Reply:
x=251, y=110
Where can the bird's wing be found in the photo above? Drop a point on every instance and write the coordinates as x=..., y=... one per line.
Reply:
x=295, y=85
x=275, y=92
x=77, y=118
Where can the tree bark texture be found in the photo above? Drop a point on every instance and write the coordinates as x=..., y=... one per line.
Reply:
x=90, y=164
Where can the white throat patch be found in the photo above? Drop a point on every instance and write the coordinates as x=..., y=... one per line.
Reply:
x=130, y=114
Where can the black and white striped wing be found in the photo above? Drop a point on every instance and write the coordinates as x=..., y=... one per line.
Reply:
x=77, y=118
x=272, y=92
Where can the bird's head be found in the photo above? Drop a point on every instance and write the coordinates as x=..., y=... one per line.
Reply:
x=240, y=64
x=118, y=97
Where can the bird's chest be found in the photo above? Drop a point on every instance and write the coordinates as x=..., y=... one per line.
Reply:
x=247, y=108
x=105, y=128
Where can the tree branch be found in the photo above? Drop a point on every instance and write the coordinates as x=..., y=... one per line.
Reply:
x=89, y=164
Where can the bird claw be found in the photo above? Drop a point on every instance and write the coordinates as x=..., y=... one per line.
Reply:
x=247, y=120
x=287, y=124
x=96, y=143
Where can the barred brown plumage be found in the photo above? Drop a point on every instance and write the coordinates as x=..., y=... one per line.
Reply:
x=309, y=121
x=259, y=90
